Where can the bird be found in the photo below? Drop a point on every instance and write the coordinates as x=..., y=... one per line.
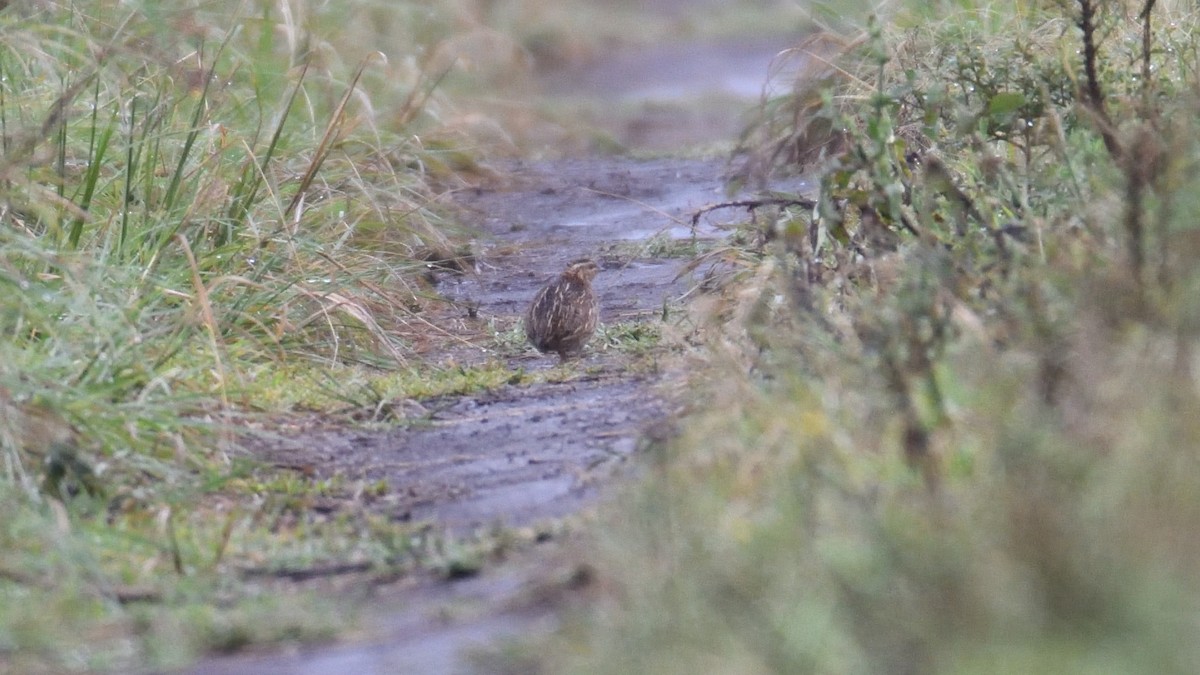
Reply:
x=564, y=313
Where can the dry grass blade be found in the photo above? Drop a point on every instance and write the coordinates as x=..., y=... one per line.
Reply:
x=206, y=313
x=419, y=96
x=333, y=132
x=333, y=301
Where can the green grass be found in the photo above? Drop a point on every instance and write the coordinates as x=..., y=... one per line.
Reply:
x=630, y=337
x=946, y=426
x=194, y=200
x=354, y=388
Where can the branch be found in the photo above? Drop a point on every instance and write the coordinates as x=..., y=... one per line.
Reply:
x=1093, y=94
x=1146, y=35
x=306, y=573
x=751, y=204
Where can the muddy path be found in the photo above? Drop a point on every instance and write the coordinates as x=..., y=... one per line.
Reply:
x=526, y=456
x=518, y=456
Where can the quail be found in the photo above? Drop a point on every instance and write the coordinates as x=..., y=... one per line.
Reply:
x=564, y=313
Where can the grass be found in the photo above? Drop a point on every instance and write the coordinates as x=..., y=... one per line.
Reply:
x=945, y=425
x=198, y=204
x=630, y=337
x=945, y=421
x=662, y=245
x=354, y=388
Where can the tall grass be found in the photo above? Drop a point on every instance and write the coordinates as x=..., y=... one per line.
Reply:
x=191, y=196
x=950, y=431
x=176, y=183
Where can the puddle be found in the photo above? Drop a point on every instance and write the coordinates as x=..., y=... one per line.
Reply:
x=680, y=73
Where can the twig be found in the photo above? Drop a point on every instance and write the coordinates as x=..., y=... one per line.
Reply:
x=1093, y=93
x=131, y=594
x=306, y=573
x=751, y=204
x=1147, y=36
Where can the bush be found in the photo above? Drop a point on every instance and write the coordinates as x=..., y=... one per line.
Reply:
x=953, y=435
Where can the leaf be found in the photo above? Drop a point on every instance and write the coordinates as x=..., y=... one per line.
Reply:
x=1005, y=104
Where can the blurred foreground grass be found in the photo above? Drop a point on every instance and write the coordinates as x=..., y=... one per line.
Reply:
x=950, y=416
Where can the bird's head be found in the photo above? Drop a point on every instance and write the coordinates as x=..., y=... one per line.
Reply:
x=584, y=269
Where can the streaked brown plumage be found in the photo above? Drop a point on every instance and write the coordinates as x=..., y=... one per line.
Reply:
x=565, y=312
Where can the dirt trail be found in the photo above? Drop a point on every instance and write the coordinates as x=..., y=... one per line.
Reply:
x=519, y=455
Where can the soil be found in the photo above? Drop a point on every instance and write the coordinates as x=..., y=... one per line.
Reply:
x=524, y=456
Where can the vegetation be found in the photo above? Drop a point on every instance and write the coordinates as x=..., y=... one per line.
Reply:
x=948, y=426
x=206, y=210
x=947, y=421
